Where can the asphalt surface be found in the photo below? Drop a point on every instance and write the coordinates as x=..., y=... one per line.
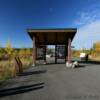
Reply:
x=54, y=82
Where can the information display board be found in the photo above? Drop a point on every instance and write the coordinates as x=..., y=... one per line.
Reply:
x=60, y=51
x=40, y=52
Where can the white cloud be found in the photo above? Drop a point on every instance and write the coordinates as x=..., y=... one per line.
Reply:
x=84, y=17
x=89, y=28
x=87, y=16
x=87, y=35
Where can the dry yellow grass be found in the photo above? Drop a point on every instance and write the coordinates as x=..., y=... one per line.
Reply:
x=96, y=58
x=8, y=69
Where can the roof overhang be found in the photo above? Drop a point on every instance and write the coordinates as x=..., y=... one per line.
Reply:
x=52, y=36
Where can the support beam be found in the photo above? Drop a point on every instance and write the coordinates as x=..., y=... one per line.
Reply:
x=45, y=47
x=55, y=54
x=66, y=53
x=69, y=50
x=34, y=51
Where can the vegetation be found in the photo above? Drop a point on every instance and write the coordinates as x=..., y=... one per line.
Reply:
x=94, y=52
x=7, y=54
x=49, y=51
x=9, y=50
x=7, y=64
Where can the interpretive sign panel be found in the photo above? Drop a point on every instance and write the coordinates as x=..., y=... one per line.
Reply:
x=60, y=51
x=40, y=53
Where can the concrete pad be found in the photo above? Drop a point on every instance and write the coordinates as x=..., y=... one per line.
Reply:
x=60, y=83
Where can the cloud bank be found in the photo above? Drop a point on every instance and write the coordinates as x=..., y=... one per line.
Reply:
x=89, y=29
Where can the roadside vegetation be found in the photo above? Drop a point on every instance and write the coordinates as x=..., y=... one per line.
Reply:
x=94, y=52
x=7, y=62
x=7, y=54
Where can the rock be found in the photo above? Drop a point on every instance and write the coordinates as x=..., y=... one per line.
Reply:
x=72, y=65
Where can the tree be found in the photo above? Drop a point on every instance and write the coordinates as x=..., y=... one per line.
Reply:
x=15, y=53
x=2, y=52
x=94, y=46
x=9, y=50
x=97, y=47
x=49, y=51
x=83, y=50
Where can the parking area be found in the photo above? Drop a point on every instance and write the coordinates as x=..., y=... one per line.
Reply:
x=55, y=82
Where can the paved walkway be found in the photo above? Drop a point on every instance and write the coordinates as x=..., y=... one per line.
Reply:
x=55, y=82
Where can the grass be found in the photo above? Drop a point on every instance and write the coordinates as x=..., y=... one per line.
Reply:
x=96, y=58
x=8, y=69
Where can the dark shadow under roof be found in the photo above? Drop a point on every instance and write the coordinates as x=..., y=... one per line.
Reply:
x=53, y=35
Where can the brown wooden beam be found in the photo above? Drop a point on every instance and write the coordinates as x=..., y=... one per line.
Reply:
x=45, y=47
x=34, y=51
x=69, y=50
x=66, y=53
x=55, y=54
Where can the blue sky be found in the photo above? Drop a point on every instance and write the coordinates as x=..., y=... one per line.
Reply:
x=18, y=15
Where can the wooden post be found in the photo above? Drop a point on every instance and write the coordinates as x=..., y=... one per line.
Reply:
x=55, y=54
x=66, y=54
x=56, y=39
x=45, y=47
x=18, y=65
x=34, y=52
x=69, y=50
